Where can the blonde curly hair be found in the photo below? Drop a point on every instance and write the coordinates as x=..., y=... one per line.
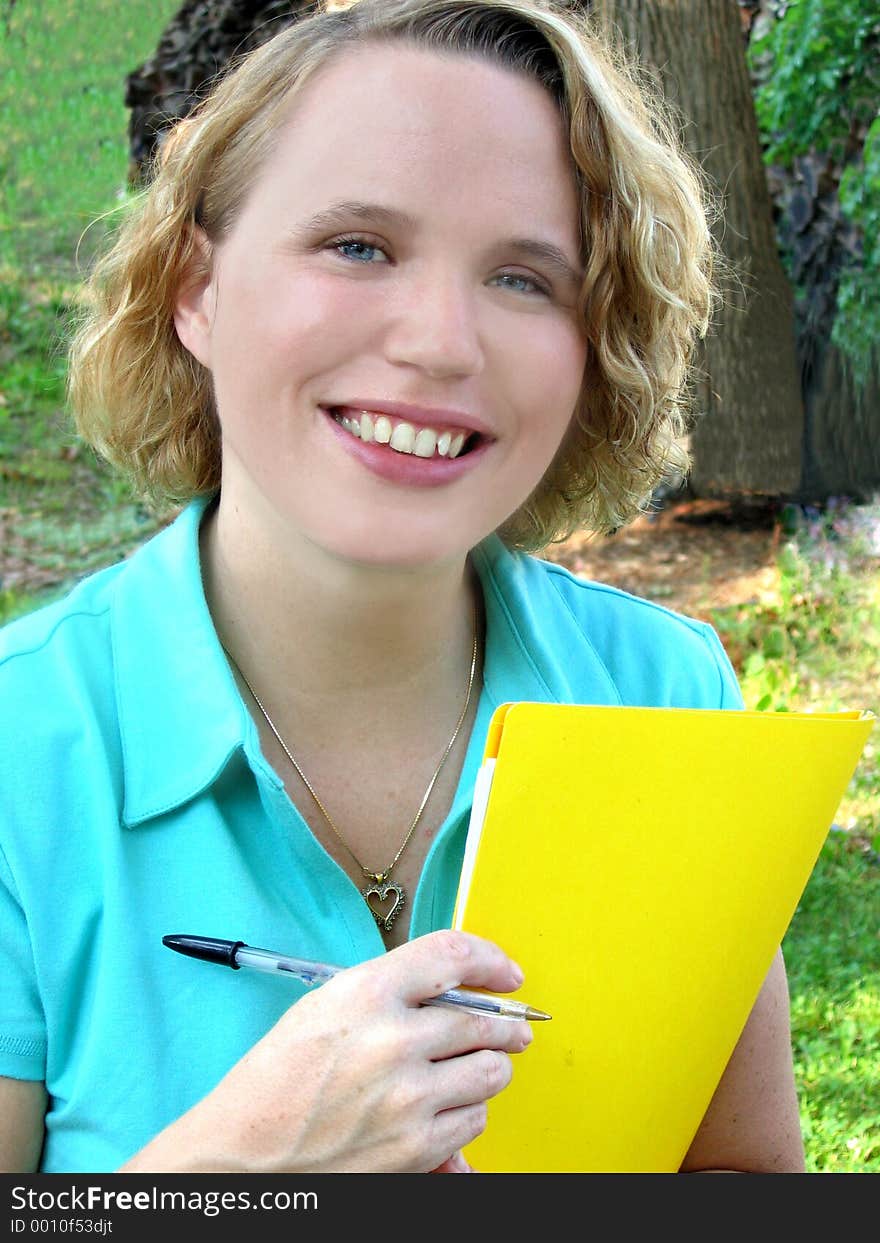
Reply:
x=145, y=404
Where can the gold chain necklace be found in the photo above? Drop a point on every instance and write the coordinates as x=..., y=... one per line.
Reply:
x=379, y=890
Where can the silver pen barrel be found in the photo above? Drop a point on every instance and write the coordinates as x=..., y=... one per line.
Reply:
x=311, y=973
x=480, y=1003
x=268, y=960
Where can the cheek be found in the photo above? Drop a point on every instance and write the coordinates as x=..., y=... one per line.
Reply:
x=279, y=323
x=549, y=369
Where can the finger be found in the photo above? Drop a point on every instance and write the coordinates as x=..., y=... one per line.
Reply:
x=470, y=1079
x=443, y=1031
x=438, y=961
x=455, y=1164
x=453, y=1130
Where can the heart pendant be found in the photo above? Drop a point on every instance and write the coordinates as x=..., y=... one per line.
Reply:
x=385, y=899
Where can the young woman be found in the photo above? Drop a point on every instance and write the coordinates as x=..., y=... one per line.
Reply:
x=414, y=292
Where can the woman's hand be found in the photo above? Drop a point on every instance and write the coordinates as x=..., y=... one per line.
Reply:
x=455, y=1165
x=358, y=1076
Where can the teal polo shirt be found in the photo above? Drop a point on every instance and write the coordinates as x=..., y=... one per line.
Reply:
x=135, y=802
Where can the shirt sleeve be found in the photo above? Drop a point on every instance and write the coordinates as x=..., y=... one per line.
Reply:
x=731, y=695
x=22, y=1023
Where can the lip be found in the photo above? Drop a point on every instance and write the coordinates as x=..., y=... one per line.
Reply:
x=420, y=416
x=404, y=469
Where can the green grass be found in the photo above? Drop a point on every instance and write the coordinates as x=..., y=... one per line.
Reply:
x=63, y=143
x=63, y=161
x=831, y=951
x=817, y=646
x=63, y=164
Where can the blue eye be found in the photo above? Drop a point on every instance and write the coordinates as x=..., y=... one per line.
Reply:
x=347, y=242
x=536, y=286
x=343, y=244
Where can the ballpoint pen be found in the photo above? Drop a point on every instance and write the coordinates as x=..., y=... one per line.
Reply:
x=237, y=954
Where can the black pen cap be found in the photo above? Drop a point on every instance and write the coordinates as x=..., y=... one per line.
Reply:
x=208, y=949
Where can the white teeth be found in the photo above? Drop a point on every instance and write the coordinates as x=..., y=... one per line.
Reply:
x=426, y=443
x=382, y=430
x=403, y=438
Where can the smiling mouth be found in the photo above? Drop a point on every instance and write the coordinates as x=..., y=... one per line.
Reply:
x=406, y=438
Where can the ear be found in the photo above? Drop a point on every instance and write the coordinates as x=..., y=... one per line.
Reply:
x=194, y=301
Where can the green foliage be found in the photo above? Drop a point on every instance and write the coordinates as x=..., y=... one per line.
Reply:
x=820, y=65
x=816, y=646
x=826, y=614
x=823, y=76
x=857, y=328
x=834, y=978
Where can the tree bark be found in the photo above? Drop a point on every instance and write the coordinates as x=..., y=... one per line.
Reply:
x=748, y=436
x=842, y=442
x=196, y=44
x=841, y=414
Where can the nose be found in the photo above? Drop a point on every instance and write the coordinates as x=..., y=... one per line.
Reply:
x=435, y=326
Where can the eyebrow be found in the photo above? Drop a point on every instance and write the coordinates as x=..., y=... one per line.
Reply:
x=341, y=213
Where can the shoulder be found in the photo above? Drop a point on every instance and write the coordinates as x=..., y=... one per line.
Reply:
x=40, y=644
x=610, y=614
x=59, y=738
x=56, y=685
x=649, y=653
x=71, y=639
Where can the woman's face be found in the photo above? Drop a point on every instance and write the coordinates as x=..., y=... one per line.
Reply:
x=409, y=255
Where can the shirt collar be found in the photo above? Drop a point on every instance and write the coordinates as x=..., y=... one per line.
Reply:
x=181, y=716
x=180, y=712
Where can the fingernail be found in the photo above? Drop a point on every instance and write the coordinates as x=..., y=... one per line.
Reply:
x=518, y=974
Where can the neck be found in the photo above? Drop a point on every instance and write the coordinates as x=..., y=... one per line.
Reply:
x=328, y=630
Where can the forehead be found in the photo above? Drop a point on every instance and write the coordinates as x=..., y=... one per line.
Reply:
x=432, y=126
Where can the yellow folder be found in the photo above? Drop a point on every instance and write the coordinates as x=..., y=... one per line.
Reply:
x=642, y=865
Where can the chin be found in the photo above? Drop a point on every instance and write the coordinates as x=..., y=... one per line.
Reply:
x=411, y=551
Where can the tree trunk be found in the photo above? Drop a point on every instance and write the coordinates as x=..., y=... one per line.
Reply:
x=749, y=434
x=197, y=43
x=841, y=415
x=842, y=443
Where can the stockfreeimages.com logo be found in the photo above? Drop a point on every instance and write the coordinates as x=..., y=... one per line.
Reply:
x=97, y=1199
